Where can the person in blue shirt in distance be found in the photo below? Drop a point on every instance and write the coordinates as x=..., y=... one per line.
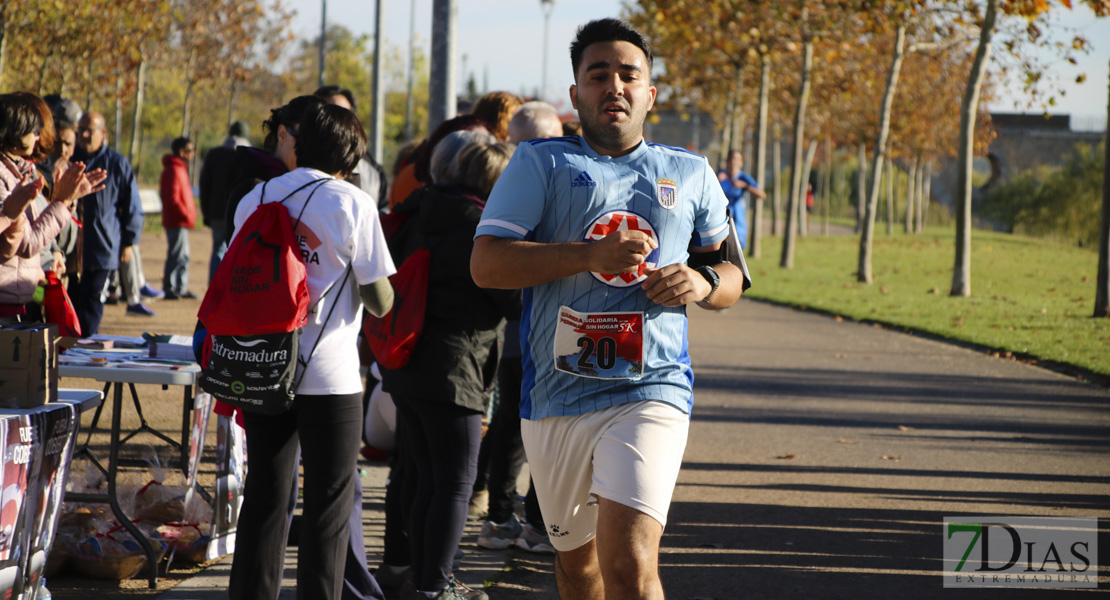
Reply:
x=737, y=186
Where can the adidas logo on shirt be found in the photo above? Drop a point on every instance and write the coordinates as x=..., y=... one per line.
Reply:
x=583, y=179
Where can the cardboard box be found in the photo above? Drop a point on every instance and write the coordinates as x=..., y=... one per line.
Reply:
x=28, y=365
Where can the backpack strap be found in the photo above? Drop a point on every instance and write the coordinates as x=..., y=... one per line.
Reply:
x=261, y=199
x=304, y=362
x=317, y=184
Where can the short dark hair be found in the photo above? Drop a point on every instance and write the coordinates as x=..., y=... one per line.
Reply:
x=328, y=91
x=19, y=116
x=606, y=30
x=239, y=129
x=288, y=115
x=330, y=139
x=178, y=143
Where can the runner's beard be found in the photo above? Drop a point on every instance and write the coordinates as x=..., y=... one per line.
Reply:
x=614, y=134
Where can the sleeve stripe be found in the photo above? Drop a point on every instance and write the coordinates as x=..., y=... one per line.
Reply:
x=713, y=232
x=504, y=225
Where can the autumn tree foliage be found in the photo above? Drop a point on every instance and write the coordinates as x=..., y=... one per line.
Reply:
x=720, y=57
x=106, y=54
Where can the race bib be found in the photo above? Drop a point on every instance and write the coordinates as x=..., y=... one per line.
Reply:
x=608, y=345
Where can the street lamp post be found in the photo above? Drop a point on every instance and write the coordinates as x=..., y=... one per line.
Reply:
x=546, y=6
x=323, y=40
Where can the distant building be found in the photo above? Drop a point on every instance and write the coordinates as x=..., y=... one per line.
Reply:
x=1022, y=142
x=1030, y=141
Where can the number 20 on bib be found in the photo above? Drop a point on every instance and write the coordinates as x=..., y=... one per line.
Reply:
x=606, y=345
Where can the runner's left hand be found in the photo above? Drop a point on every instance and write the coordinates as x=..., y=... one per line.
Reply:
x=675, y=285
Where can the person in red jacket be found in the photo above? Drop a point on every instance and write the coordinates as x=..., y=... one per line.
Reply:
x=179, y=213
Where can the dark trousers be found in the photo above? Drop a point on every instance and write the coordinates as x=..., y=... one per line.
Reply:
x=328, y=431
x=506, y=449
x=399, y=494
x=86, y=299
x=443, y=446
x=358, y=583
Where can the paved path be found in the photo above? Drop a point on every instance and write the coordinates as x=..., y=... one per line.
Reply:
x=823, y=457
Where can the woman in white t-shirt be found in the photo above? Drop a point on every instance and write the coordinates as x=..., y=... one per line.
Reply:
x=347, y=265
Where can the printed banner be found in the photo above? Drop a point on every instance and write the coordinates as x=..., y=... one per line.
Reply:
x=231, y=476
x=54, y=437
x=16, y=441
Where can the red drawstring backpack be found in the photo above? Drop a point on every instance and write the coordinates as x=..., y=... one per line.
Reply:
x=254, y=310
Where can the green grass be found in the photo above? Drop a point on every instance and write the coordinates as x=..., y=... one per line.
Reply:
x=1030, y=297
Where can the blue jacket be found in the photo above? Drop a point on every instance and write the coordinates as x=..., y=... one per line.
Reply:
x=112, y=217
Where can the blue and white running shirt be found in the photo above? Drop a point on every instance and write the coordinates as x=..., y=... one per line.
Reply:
x=595, y=340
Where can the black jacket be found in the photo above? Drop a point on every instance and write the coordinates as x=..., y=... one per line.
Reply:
x=455, y=360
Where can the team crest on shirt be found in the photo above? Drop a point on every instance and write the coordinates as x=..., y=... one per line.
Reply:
x=622, y=220
x=667, y=191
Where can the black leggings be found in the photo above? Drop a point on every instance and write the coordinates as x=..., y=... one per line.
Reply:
x=328, y=430
x=443, y=453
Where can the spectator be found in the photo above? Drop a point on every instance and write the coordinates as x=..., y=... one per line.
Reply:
x=369, y=176
x=133, y=285
x=215, y=184
x=440, y=395
x=26, y=134
x=534, y=120
x=572, y=127
x=496, y=108
x=179, y=215
x=253, y=166
x=56, y=256
x=606, y=417
x=326, y=418
x=737, y=185
x=113, y=221
x=415, y=174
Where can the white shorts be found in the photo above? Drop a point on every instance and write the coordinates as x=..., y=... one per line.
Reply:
x=629, y=453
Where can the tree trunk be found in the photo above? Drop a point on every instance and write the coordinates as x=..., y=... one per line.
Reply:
x=761, y=153
x=803, y=195
x=726, y=131
x=961, y=269
x=117, y=125
x=3, y=43
x=137, y=115
x=89, y=89
x=927, y=188
x=920, y=204
x=231, y=99
x=890, y=196
x=186, y=105
x=787, y=260
x=911, y=191
x=861, y=188
x=826, y=188
x=1102, y=293
x=840, y=179
x=776, y=191
x=867, y=235
x=42, y=71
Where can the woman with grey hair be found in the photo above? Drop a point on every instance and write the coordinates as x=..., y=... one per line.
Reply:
x=444, y=166
x=440, y=395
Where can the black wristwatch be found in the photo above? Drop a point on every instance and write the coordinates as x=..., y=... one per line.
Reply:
x=712, y=277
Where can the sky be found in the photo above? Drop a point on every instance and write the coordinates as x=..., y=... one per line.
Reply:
x=502, y=42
